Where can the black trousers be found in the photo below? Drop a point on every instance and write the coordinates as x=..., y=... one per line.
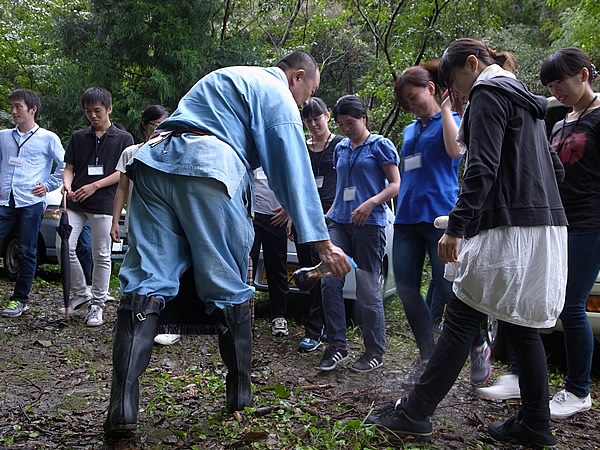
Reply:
x=451, y=351
x=315, y=321
x=274, y=245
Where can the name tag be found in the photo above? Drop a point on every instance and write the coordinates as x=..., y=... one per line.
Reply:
x=319, y=181
x=96, y=170
x=349, y=194
x=261, y=175
x=15, y=161
x=413, y=162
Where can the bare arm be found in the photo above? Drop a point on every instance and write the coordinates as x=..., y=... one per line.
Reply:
x=88, y=190
x=449, y=130
x=119, y=202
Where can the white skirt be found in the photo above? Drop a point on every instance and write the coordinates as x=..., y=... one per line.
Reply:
x=515, y=274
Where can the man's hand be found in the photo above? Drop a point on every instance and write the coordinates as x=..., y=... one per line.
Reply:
x=40, y=189
x=334, y=258
x=84, y=192
x=448, y=248
x=280, y=218
x=115, y=232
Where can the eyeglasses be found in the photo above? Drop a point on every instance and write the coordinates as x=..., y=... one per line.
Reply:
x=313, y=119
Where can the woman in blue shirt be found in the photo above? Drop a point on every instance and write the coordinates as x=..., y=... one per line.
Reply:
x=430, y=162
x=367, y=177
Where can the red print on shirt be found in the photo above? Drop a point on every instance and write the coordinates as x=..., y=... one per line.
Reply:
x=572, y=149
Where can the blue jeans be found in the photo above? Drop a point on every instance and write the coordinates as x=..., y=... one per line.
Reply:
x=27, y=221
x=584, y=264
x=179, y=221
x=84, y=252
x=410, y=244
x=366, y=245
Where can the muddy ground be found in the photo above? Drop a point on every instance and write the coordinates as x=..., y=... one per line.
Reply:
x=55, y=375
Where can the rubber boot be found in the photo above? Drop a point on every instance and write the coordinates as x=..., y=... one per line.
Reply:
x=235, y=345
x=137, y=317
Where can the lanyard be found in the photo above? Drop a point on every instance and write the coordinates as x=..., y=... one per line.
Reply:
x=355, y=158
x=563, y=138
x=23, y=143
x=322, y=153
x=99, y=147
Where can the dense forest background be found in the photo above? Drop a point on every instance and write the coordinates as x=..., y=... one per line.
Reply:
x=146, y=51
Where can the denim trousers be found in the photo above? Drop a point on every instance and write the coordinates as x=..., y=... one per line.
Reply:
x=26, y=221
x=101, y=249
x=411, y=242
x=366, y=245
x=451, y=351
x=178, y=221
x=84, y=252
x=274, y=245
x=584, y=264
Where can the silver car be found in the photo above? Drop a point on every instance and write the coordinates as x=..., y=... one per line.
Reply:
x=47, y=239
x=387, y=282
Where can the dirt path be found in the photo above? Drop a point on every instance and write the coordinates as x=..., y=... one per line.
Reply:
x=54, y=389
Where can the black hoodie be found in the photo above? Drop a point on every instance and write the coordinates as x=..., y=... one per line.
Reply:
x=512, y=172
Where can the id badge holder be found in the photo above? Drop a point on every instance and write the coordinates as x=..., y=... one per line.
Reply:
x=349, y=193
x=413, y=162
x=96, y=169
x=319, y=181
x=15, y=161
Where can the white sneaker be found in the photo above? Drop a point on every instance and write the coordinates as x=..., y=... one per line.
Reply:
x=166, y=339
x=279, y=327
x=94, y=317
x=504, y=388
x=564, y=404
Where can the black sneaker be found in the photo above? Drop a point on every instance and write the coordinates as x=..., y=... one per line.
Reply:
x=332, y=357
x=414, y=375
x=514, y=430
x=395, y=419
x=367, y=362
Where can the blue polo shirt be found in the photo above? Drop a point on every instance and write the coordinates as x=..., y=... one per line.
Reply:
x=430, y=190
x=360, y=167
x=254, y=121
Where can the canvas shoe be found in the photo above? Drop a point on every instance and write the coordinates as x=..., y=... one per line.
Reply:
x=308, y=345
x=332, y=357
x=505, y=387
x=414, y=375
x=14, y=308
x=514, y=430
x=564, y=404
x=394, y=418
x=76, y=304
x=279, y=327
x=166, y=339
x=94, y=316
x=367, y=363
x=481, y=367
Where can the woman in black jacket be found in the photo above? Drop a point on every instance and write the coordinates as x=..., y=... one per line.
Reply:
x=505, y=245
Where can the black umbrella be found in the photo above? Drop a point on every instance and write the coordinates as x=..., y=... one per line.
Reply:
x=64, y=231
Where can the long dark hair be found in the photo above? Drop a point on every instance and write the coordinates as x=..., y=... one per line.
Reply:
x=314, y=107
x=456, y=56
x=419, y=76
x=351, y=105
x=151, y=113
x=565, y=63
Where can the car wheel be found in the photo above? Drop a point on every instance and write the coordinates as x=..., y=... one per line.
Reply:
x=495, y=337
x=10, y=255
